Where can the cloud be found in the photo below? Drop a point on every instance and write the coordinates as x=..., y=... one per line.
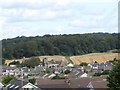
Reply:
x=81, y=23
x=25, y=3
x=21, y=15
x=38, y=17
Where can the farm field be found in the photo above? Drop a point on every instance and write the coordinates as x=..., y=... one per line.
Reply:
x=56, y=57
x=63, y=58
x=89, y=58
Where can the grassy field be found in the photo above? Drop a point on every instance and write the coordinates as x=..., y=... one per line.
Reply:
x=41, y=58
x=63, y=58
x=9, y=61
x=88, y=58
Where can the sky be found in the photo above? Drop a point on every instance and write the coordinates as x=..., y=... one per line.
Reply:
x=40, y=17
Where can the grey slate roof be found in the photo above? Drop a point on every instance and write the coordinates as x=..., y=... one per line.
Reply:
x=53, y=86
x=15, y=84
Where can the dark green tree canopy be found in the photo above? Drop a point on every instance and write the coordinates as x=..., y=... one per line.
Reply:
x=83, y=64
x=114, y=76
x=33, y=80
x=72, y=44
x=7, y=79
x=31, y=62
x=67, y=71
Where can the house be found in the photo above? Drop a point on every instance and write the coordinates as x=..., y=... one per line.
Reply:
x=11, y=70
x=51, y=76
x=70, y=65
x=84, y=75
x=88, y=83
x=108, y=66
x=15, y=85
x=21, y=85
x=54, y=63
x=102, y=84
x=78, y=82
x=87, y=68
x=76, y=71
x=63, y=64
x=58, y=70
x=25, y=69
x=95, y=66
x=102, y=66
x=39, y=68
x=30, y=86
x=51, y=84
x=51, y=63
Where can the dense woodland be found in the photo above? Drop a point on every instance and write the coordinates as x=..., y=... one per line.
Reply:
x=72, y=44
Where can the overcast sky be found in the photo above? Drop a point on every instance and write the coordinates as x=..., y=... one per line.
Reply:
x=39, y=17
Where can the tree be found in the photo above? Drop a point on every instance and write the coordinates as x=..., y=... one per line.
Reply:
x=57, y=77
x=33, y=80
x=83, y=64
x=7, y=79
x=72, y=44
x=14, y=63
x=47, y=70
x=67, y=71
x=97, y=74
x=114, y=76
x=31, y=62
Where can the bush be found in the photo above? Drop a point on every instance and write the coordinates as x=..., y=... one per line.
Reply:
x=7, y=79
x=30, y=74
x=33, y=80
x=31, y=62
x=114, y=77
x=58, y=77
x=14, y=63
x=66, y=71
x=106, y=72
x=83, y=64
x=47, y=70
x=97, y=74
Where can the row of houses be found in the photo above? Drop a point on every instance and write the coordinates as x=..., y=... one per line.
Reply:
x=77, y=75
x=87, y=83
x=18, y=71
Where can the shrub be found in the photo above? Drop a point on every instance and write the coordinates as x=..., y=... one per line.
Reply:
x=7, y=79
x=58, y=77
x=66, y=71
x=83, y=64
x=33, y=80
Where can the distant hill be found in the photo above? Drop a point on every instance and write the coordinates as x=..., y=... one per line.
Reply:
x=65, y=45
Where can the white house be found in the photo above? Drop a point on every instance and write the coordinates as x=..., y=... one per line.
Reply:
x=84, y=75
x=52, y=75
x=30, y=86
x=20, y=85
x=70, y=65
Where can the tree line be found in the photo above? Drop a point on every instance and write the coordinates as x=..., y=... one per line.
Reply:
x=67, y=45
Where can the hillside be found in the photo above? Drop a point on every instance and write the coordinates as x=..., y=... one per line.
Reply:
x=63, y=58
x=63, y=45
x=89, y=58
x=53, y=58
